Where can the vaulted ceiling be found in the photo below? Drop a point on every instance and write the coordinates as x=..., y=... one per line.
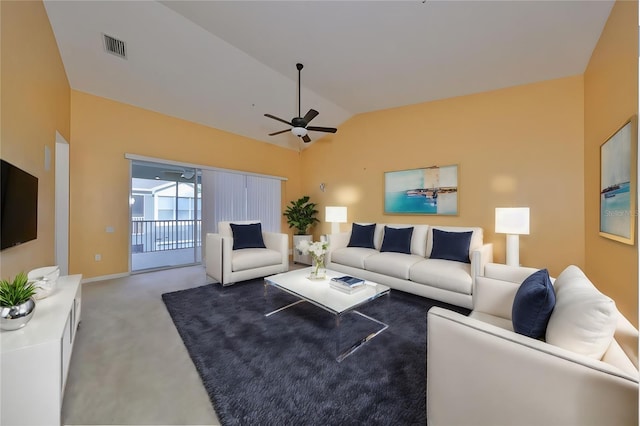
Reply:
x=225, y=64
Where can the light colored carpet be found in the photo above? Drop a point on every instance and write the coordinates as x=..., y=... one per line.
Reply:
x=129, y=365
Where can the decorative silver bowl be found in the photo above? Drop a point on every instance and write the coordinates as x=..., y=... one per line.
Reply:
x=15, y=317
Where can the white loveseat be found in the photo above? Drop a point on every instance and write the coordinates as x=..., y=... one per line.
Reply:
x=228, y=266
x=480, y=372
x=416, y=273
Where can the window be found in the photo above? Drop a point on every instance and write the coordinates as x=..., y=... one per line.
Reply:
x=137, y=208
x=166, y=208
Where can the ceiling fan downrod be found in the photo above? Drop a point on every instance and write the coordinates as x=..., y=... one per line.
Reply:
x=299, y=67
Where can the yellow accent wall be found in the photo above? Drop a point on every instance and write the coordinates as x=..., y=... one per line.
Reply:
x=104, y=130
x=34, y=105
x=520, y=146
x=611, y=98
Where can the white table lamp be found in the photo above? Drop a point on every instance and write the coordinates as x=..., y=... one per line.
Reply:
x=335, y=215
x=513, y=221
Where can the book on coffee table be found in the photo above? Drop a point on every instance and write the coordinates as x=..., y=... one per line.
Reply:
x=347, y=283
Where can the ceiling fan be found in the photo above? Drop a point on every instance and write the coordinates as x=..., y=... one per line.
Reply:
x=187, y=174
x=300, y=125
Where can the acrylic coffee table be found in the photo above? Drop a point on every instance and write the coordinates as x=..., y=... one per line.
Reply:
x=320, y=294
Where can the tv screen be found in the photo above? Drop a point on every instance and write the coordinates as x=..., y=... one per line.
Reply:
x=18, y=206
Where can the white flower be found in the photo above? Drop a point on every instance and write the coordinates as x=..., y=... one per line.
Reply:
x=318, y=248
x=315, y=249
x=303, y=246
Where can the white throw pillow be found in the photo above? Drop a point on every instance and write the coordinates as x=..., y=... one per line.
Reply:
x=583, y=320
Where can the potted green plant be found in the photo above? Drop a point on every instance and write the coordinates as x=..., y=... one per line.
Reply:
x=300, y=215
x=16, y=302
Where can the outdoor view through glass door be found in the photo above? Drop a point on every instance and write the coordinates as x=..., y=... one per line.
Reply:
x=166, y=226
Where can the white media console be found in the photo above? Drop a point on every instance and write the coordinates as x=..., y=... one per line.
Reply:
x=35, y=359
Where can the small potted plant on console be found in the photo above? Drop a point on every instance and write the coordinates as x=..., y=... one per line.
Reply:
x=16, y=302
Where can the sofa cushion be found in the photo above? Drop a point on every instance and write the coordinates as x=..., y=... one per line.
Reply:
x=362, y=235
x=476, y=237
x=616, y=356
x=444, y=274
x=397, y=240
x=247, y=236
x=224, y=226
x=533, y=305
x=583, y=320
x=418, y=237
x=392, y=264
x=352, y=256
x=252, y=258
x=451, y=245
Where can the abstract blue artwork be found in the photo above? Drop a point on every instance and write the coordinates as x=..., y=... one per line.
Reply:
x=617, y=185
x=430, y=191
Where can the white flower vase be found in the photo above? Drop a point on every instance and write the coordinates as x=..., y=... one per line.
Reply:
x=318, y=270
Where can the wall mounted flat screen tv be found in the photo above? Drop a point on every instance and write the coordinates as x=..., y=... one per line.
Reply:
x=18, y=206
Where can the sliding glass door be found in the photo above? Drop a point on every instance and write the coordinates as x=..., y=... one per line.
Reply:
x=166, y=218
x=230, y=196
x=168, y=202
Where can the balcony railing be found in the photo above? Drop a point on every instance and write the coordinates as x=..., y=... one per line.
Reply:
x=162, y=235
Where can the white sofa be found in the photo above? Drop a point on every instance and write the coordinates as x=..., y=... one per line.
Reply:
x=480, y=372
x=416, y=273
x=228, y=266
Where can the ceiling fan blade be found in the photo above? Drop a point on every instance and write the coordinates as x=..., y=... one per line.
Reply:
x=310, y=115
x=281, y=131
x=306, y=139
x=322, y=129
x=279, y=119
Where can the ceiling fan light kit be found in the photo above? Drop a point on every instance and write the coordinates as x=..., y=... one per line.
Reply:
x=300, y=125
x=188, y=174
x=299, y=131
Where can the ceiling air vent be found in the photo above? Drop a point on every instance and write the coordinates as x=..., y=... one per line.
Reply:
x=115, y=46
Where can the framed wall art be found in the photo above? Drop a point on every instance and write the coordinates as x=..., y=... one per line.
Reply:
x=430, y=191
x=618, y=184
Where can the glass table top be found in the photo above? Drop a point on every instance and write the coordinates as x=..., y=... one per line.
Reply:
x=321, y=294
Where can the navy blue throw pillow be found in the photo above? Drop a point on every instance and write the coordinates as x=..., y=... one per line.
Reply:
x=451, y=245
x=362, y=235
x=533, y=304
x=397, y=240
x=247, y=236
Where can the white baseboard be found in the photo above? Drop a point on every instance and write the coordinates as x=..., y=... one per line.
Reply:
x=105, y=277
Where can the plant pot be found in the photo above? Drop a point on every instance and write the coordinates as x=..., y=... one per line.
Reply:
x=298, y=257
x=15, y=317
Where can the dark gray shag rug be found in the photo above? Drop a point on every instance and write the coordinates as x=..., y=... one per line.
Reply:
x=282, y=369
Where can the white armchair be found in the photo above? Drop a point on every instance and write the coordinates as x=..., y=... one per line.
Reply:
x=228, y=266
x=480, y=372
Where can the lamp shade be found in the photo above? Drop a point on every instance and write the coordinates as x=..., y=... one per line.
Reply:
x=512, y=220
x=335, y=214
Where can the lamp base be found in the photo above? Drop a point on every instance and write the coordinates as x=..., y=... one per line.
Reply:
x=335, y=228
x=513, y=250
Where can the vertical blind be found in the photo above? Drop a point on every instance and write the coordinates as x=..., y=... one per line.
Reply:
x=263, y=202
x=234, y=196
